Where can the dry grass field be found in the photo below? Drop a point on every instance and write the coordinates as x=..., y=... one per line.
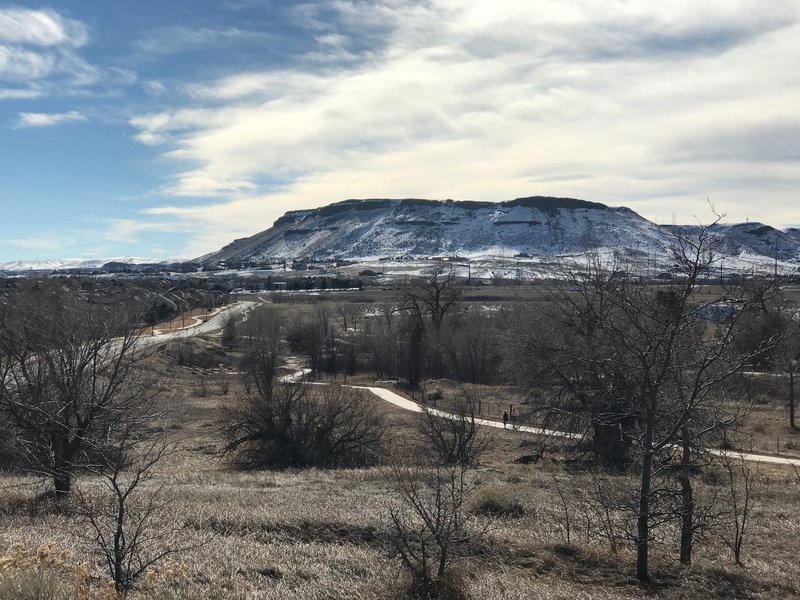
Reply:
x=323, y=534
x=318, y=534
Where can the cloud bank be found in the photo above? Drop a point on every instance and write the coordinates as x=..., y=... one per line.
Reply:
x=625, y=102
x=622, y=102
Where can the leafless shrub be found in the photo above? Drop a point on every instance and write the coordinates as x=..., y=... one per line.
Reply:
x=300, y=426
x=609, y=511
x=202, y=386
x=455, y=438
x=183, y=351
x=566, y=508
x=224, y=380
x=740, y=500
x=430, y=526
x=129, y=520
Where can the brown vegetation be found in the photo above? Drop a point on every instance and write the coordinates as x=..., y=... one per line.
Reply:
x=467, y=516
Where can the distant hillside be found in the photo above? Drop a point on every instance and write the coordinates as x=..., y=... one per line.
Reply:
x=754, y=239
x=74, y=263
x=384, y=228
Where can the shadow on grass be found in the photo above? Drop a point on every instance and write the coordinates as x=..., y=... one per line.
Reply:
x=593, y=569
x=34, y=508
x=589, y=568
x=302, y=531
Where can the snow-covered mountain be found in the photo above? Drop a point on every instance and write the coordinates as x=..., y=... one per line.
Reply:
x=372, y=229
x=535, y=226
x=540, y=227
x=756, y=239
x=71, y=263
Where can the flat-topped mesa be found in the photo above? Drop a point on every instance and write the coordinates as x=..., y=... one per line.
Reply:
x=375, y=228
x=552, y=203
x=534, y=226
x=538, y=202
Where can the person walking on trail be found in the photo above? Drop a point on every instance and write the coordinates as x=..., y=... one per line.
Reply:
x=505, y=418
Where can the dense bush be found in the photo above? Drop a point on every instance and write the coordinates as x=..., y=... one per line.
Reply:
x=299, y=426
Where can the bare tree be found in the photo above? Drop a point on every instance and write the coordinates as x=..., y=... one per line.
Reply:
x=470, y=346
x=454, y=437
x=69, y=372
x=311, y=336
x=348, y=316
x=435, y=296
x=642, y=363
x=380, y=341
x=129, y=520
x=773, y=341
x=787, y=355
x=792, y=368
x=262, y=349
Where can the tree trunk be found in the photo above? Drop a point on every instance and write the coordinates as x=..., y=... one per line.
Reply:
x=62, y=483
x=611, y=445
x=62, y=469
x=687, y=501
x=415, y=354
x=643, y=519
x=791, y=399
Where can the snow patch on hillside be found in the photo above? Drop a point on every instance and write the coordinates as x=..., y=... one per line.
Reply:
x=71, y=263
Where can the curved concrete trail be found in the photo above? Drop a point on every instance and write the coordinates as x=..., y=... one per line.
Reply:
x=406, y=404
x=240, y=308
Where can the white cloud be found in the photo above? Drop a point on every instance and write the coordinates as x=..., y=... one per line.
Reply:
x=178, y=38
x=20, y=64
x=128, y=230
x=37, y=243
x=19, y=94
x=154, y=88
x=48, y=119
x=38, y=52
x=332, y=39
x=40, y=28
x=621, y=102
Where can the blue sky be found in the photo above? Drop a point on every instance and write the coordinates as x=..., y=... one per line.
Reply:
x=167, y=129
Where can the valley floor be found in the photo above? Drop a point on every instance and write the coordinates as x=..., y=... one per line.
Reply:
x=322, y=534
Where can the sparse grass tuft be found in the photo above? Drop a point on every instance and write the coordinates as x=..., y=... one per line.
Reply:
x=497, y=501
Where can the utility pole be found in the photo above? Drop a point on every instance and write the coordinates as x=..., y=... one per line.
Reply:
x=776, y=258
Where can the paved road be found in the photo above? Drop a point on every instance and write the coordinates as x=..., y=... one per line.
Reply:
x=213, y=324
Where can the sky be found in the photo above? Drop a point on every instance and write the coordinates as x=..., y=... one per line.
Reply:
x=168, y=129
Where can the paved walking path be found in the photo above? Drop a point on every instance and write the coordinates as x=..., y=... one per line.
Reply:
x=218, y=320
x=406, y=404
